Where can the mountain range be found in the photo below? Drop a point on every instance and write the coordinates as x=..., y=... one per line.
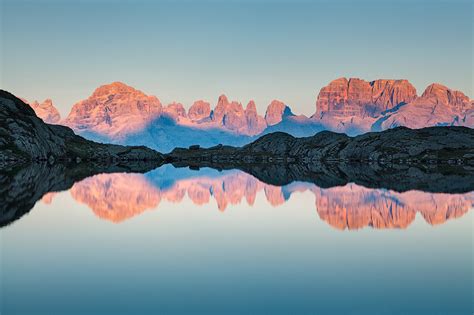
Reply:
x=121, y=114
x=36, y=158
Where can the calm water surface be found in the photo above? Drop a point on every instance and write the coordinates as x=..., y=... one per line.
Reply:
x=176, y=241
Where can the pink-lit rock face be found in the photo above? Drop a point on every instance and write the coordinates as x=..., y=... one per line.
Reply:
x=358, y=98
x=357, y=106
x=118, y=197
x=233, y=117
x=46, y=111
x=114, y=110
x=175, y=110
x=229, y=114
x=387, y=94
x=447, y=97
x=199, y=110
x=276, y=111
x=255, y=123
x=438, y=105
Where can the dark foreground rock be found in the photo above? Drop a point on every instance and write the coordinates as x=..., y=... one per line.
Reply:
x=24, y=138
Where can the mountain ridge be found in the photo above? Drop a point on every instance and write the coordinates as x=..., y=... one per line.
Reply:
x=117, y=112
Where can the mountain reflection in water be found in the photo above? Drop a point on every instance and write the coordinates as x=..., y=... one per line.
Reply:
x=146, y=240
x=118, y=197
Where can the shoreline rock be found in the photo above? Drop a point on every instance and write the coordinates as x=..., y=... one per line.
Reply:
x=432, y=145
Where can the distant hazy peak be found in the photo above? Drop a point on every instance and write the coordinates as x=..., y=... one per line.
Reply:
x=46, y=111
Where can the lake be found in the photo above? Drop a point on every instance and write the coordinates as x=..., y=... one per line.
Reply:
x=181, y=241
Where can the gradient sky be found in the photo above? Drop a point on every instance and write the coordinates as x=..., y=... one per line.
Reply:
x=188, y=50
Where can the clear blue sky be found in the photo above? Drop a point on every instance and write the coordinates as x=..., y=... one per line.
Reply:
x=188, y=50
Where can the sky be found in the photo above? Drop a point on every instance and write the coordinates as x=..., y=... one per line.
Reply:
x=262, y=50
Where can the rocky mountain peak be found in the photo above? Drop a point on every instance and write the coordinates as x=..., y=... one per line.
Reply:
x=47, y=103
x=276, y=111
x=46, y=111
x=199, y=110
x=231, y=116
x=355, y=97
x=387, y=94
x=115, y=88
x=251, y=107
x=444, y=95
x=343, y=81
x=223, y=100
x=226, y=110
x=175, y=110
x=114, y=109
x=255, y=123
x=436, y=89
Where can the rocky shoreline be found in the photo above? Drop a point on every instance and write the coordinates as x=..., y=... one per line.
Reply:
x=427, y=146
